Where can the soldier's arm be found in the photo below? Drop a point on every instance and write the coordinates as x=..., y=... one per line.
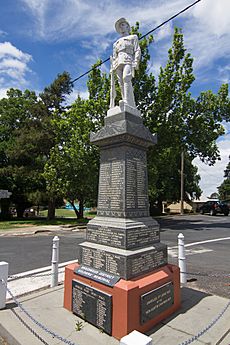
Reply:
x=137, y=52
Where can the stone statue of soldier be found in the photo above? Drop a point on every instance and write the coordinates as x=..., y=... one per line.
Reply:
x=124, y=62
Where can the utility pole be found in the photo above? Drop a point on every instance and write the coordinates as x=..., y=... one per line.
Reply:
x=182, y=183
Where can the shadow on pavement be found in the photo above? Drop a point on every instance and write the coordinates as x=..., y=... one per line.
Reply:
x=189, y=298
x=192, y=223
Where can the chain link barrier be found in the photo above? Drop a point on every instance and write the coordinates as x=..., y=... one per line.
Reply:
x=29, y=328
x=38, y=275
x=39, y=324
x=207, y=275
x=12, y=277
x=66, y=341
x=204, y=330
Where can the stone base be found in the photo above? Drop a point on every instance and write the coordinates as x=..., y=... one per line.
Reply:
x=137, y=304
x=126, y=264
x=124, y=233
x=123, y=107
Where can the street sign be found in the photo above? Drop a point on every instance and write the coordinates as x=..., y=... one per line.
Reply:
x=4, y=194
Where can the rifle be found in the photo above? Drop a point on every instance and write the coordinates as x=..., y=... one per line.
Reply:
x=112, y=85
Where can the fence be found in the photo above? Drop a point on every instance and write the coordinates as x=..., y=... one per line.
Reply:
x=131, y=339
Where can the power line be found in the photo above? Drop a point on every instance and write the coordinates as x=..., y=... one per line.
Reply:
x=149, y=32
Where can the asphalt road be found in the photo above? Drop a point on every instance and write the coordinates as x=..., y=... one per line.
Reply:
x=26, y=253
x=208, y=262
x=207, y=252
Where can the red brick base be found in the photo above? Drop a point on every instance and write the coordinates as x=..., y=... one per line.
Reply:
x=126, y=297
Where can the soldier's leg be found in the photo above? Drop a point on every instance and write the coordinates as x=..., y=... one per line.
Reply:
x=119, y=72
x=128, y=88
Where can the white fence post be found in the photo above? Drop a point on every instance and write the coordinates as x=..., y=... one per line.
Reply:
x=4, y=268
x=55, y=261
x=182, y=260
x=136, y=338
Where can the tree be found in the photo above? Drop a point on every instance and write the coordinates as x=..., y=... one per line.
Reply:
x=224, y=188
x=72, y=170
x=53, y=106
x=19, y=165
x=183, y=124
x=26, y=138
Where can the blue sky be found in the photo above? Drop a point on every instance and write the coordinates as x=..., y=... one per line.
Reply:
x=41, y=38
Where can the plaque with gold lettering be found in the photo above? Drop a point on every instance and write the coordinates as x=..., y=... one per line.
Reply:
x=92, y=305
x=156, y=301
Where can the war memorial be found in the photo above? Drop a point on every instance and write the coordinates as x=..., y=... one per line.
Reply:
x=123, y=281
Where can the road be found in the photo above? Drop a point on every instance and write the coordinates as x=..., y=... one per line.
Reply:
x=30, y=252
x=208, y=261
x=205, y=260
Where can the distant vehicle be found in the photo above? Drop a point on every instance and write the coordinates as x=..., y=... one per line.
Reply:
x=29, y=212
x=214, y=208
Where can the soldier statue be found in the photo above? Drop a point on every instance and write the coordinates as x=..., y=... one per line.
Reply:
x=124, y=62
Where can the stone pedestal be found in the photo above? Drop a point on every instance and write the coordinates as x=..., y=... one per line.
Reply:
x=122, y=250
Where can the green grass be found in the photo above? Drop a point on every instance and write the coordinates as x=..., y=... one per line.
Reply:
x=60, y=213
x=62, y=217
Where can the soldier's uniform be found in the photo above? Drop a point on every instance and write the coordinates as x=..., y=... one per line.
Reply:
x=126, y=58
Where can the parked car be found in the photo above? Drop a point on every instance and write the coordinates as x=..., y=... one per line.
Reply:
x=214, y=207
x=29, y=212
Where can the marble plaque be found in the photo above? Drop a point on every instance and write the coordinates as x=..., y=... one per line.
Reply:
x=136, y=180
x=139, y=236
x=148, y=261
x=97, y=275
x=106, y=235
x=123, y=185
x=156, y=301
x=92, y=305
x=126, y=264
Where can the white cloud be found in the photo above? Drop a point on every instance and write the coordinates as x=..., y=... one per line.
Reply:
x=213, y=176
x=13, y=65
x=74, y=19
x=214, y=16
x=2, y=91
x=205, y=26
x=207, y=35
x=76, y=92
x=7, y=49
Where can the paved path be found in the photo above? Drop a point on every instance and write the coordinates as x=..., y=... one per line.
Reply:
x=198, y=311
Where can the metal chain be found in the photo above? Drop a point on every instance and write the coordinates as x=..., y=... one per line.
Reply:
x=39, y=324
x=212, y=323
x=53, y=334
x=208, y=275
x=29, y=328
x=62, y=271
x=33, y=275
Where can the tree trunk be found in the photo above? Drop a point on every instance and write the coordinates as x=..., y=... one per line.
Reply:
x=5, y=209
x=160, y=205
x=81, y=208
x=51, y=209
x=155, y=210
x=182, y=184
x=20, y=208
x=75, y=209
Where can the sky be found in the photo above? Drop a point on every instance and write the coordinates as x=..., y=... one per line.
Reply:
x=41, y=38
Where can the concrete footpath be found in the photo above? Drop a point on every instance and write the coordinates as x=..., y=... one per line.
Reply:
x=46, y=307
x=42, y=229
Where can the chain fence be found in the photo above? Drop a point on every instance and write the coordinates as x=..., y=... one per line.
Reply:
x=201, y=274
x=206, y=329
x=38, y=275
x=66, y=341
x=36, y=322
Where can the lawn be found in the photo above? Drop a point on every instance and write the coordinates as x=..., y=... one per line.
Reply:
x=62, y=217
